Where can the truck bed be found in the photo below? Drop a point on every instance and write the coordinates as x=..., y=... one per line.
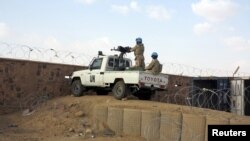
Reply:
x=142, y=78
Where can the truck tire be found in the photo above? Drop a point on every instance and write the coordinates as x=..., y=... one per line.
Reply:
x=77, y=88
x=119, y=90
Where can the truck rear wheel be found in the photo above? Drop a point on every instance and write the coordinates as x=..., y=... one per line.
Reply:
x=119, y=90
x=77, y=88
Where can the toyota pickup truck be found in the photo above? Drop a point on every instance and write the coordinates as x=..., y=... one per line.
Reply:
x=111, y=73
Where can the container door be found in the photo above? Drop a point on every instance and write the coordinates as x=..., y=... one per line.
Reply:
x=237, y=93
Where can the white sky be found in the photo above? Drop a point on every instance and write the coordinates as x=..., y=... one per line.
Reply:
x=204, y=34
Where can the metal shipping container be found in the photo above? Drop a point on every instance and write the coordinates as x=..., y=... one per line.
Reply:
x=240, y=96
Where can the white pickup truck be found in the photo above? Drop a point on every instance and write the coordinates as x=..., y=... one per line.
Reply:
x=110, y=73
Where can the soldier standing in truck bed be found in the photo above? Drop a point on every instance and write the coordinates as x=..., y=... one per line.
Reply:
x=138, y=50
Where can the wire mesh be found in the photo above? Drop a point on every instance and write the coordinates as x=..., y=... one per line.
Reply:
x=216, y=99
x=26, y=52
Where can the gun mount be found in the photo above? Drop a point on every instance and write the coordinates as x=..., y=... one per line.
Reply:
x=123, y=51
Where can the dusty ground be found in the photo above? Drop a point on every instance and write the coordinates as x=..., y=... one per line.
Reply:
x=70, y=119
x=62, y=119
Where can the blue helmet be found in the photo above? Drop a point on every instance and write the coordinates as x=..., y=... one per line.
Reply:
x=138, y=40
x=154, y=55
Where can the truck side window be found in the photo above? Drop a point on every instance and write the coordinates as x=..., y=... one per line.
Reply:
x=127, y=63
x=111, y=62
x=97, y=63
x=116, y=62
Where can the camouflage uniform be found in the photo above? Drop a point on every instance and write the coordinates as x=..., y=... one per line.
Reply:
x=139, y=58
x=154, y=67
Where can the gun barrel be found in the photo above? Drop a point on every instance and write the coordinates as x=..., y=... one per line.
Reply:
x=122, y=49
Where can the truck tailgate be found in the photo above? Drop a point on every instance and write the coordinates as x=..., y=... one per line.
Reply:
x=149, y=80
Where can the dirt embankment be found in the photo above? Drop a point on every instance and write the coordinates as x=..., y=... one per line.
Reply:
x=71, y=119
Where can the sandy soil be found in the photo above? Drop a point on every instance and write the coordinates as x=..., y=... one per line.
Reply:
x=70, y=119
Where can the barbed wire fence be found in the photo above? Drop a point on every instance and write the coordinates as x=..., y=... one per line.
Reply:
x=187, y=70
x=19, y=51
x=216, y=99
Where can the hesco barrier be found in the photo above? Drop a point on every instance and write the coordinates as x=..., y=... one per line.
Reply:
x=115, y=119
x=132, y=122
x=215, y=120
x=240, y=121
x=193, y=127
x=170, y=126
x=101, y=116
x=150, y=124
x=160, y=125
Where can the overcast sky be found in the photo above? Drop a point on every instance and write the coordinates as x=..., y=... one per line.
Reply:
x=201, y=33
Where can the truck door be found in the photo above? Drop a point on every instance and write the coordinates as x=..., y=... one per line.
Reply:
x=237, y=94
x=94, y=76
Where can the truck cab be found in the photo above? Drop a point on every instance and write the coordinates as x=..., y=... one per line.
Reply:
x=94, y=75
